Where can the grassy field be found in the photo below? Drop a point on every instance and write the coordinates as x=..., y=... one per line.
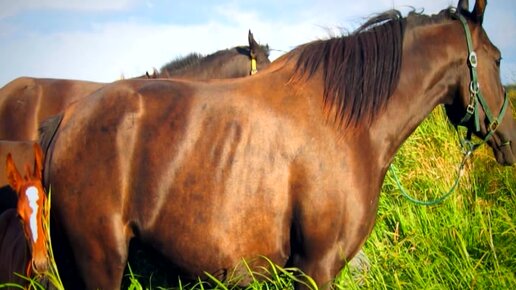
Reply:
x=466, y=242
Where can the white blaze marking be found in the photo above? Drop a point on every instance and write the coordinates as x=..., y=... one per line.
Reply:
x=32, y=195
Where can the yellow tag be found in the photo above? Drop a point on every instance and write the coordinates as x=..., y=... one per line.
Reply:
x=253, y=66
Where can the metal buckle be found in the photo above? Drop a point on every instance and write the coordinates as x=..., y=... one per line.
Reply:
x=506, y=143
x=474, y=87
x=494, y=125
x=470, y=109
x=473, y=61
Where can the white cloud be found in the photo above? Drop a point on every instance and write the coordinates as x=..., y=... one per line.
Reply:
x=108, y=49
x=111, y=49
x=10, y=7
x=128, y=48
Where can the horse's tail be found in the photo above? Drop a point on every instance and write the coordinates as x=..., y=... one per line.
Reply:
x=47, y=131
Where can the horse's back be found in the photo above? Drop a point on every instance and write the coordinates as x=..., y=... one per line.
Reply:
x=24, y=102
x=13, y=248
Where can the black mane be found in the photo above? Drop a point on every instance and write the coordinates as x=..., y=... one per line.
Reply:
x=361, y=70
x=197, y=59
x=182, y=63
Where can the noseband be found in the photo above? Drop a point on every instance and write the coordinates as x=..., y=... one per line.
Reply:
x=476, y=97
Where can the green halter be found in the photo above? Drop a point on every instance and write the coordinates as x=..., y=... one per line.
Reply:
x=476, y=96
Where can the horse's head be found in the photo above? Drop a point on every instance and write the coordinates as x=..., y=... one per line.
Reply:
x=31, y=200
x=152, y=74
x=481, y=104
x=259, y=54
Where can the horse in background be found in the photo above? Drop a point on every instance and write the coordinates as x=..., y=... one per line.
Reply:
x=198, y=67
x=23, y=241
x=286, y=164
x=25, y=101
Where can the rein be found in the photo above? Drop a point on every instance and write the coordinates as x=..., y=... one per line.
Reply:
x=442, y=197
x=472, y=110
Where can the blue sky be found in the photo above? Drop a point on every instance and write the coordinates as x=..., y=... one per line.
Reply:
x=99, y=40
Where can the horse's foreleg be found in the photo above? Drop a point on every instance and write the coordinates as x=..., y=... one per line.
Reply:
x=102, y=258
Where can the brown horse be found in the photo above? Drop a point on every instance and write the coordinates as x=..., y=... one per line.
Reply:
x=23, y=245
x=221, y=64
x=287, y=164
x=25, y=102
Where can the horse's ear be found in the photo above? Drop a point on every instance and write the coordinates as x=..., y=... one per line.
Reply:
x=478, y=11
x=38, y=161
x=253, y=45
x=463, y=6
x=13, y=175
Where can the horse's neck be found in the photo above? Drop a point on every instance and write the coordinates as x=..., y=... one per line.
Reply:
x=426, y=81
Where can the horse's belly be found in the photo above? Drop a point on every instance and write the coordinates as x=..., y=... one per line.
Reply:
x=220, y=241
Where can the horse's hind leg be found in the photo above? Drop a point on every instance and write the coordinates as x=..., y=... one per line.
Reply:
x=101, y=255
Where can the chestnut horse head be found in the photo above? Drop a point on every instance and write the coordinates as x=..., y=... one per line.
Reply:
x=286, y=164
x=30, y=207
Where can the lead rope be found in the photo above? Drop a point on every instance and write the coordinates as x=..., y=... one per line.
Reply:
x=440, y=199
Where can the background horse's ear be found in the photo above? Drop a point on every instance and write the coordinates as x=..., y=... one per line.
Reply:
x=38, y=161
x=13, y=175
x=463, y=6
x=478, y=11
x=253, y=45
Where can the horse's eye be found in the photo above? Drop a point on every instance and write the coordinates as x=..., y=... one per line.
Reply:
x=498, y=61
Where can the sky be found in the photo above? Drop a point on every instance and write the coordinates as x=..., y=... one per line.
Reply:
x=100, y=40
